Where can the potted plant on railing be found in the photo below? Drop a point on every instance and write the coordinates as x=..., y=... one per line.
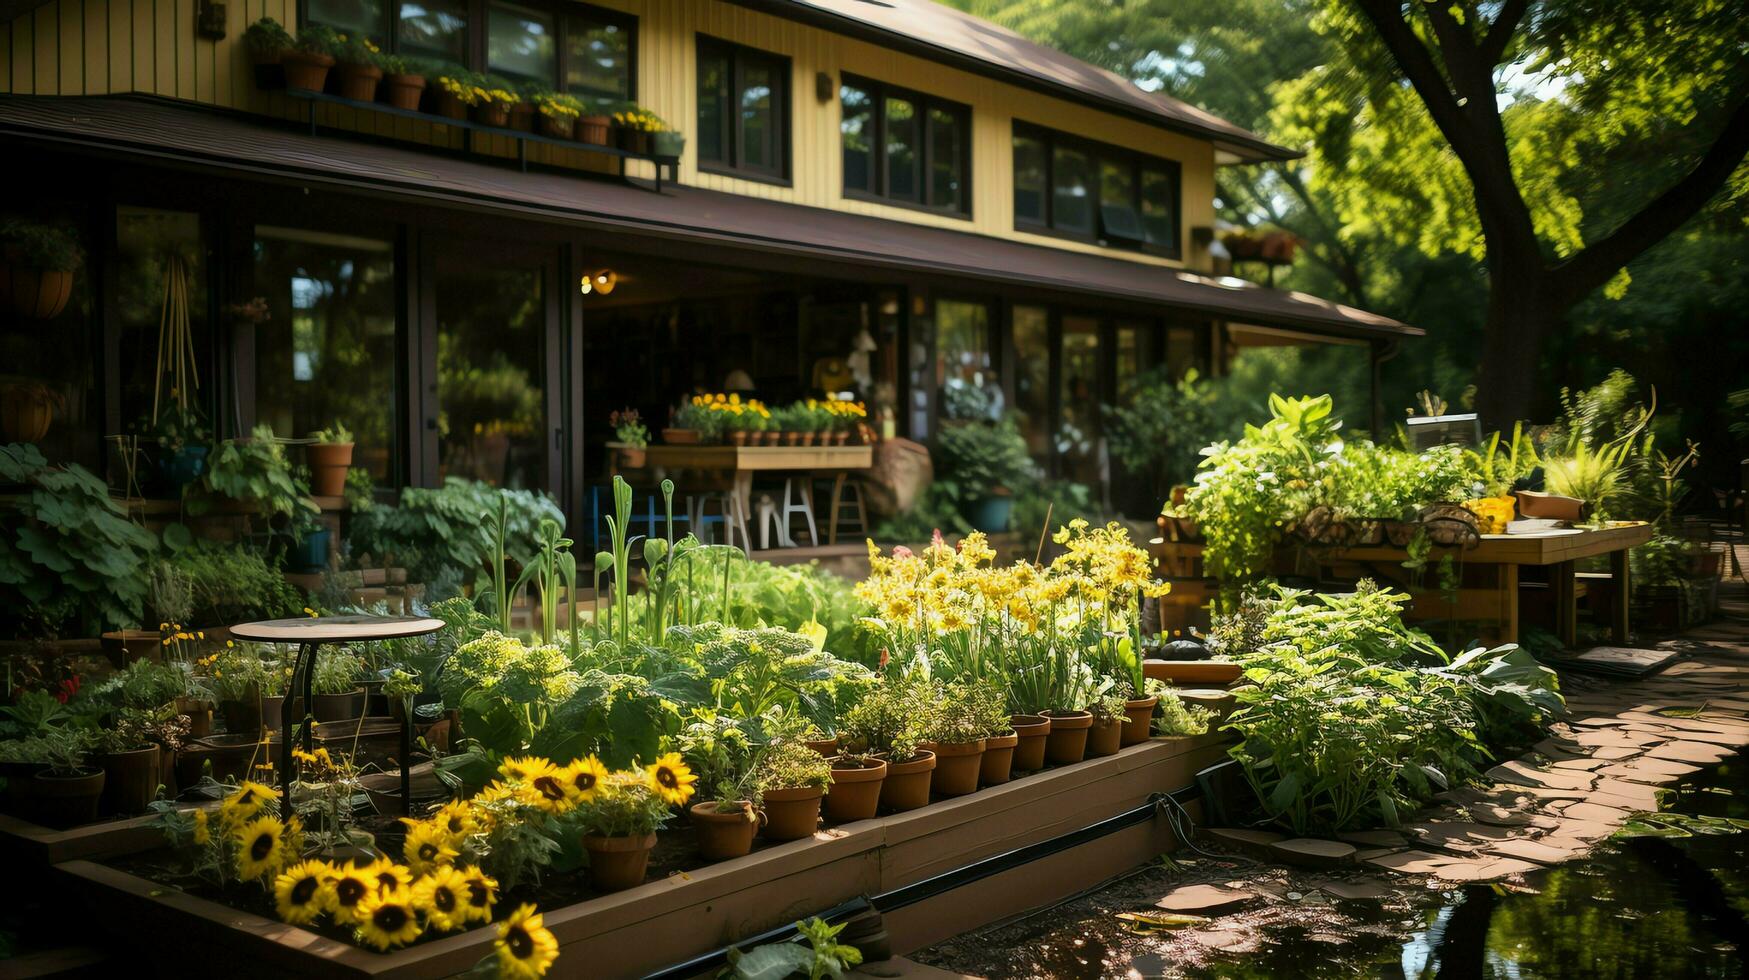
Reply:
x=594, y=126
x=846, y=418
x=457, y=90
x=358, y=65
x=308, y=60
x=527, y=106
x=630, y=438
x=558, y=114
x=182, y=439
x=329, y=457
x=497, y=98
x=891, y=721
x=666, y=142
x=40, y=259
x=723, y=756
x=633, y=126
x=403, y=81
x=791, y=779
x=267, y=42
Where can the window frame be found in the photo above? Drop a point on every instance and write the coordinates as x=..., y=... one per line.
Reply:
x=477, y=41
x=1100, y=154
x=878, y=93
x=783, y=69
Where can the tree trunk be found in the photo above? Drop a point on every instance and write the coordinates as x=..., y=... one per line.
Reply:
x=1520, y=316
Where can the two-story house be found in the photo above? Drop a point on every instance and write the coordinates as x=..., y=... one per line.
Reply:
x=886, y=197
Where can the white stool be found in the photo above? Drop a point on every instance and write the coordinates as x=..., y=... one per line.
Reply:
x=769, y=517
x=799, y=500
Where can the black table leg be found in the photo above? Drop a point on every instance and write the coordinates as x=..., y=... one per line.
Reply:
x=301, y=668
x=407, y=757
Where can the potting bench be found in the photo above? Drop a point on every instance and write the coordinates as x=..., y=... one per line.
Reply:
x=309, y=635
x=742, y=462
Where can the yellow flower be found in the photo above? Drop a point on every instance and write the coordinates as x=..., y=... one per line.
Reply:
x=585, y=777
x=387, y=919
x=526, y=949
x=670, y=778
x=202, y=834
x=260, y=847
x=482, y=894
x=458, y=820
x=442, y=896
x=348, y=886
x=298, y=891
x=428, y=846
x=387, y=876
x=247, y=801
x=526, y=769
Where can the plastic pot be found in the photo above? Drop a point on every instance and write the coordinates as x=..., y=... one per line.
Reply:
x=1068, y=740
x=791, y=814
x=855, y=793
x=618, y=863
x=907, y=784
x=68, y=799
x=998, y=762
x=990, y=514
x=957, y=767
x=130, y=780
x=724, y=834
x=1031, y=733
x=328, y=463
x=311, y=552
x=338, y=707
x=1139, y=720
x=1105, y=737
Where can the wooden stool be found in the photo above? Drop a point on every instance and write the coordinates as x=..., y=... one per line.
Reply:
x=846, y=495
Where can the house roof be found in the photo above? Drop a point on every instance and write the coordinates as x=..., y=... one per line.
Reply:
x=152, y=130
x=939, y=32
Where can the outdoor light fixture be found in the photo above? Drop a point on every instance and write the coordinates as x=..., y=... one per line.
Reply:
x=600, y=281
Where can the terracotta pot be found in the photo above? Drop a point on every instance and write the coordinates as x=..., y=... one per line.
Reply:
x=827, y=747
x=328, y=463
x=1549, y=506
x=907, y=784
x=123, y=647
x=558, y=127
x=618, y=863
x=957, y=767
x=1031, y=734
x=1105, y=737
x=1139, y=720
x=593, y=129
x=1201, y=672
x=403, y=91
x=855, y=791
x=791, y=814
x=492, y=114
x=32, y=292
x=808, y=438
x=130, y=780
x=242, y=717
x=26, y=412
x=451, y=105
x=724, y=835
x=359, y=82
x=738, y=437
x=1068, y=740
x=200, y=716
x=680, y=437
x=522, y=117
x=339, y=707
x=306, y=70
x=998, y=764
x=68, y=800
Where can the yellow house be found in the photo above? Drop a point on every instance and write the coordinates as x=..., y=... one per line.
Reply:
x=887, y=198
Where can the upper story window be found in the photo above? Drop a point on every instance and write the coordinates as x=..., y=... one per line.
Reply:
x=1091, y=191
x=567, y=47
x=743, y=110
x=904, y=147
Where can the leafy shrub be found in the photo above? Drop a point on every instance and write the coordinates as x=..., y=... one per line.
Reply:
x=974, y=459
x=792, y=765
x=1158, y=433
x=432, y=530
x=229, y=584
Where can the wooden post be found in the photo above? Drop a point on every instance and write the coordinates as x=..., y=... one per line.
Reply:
x=1566, y=603
x=1618, y=568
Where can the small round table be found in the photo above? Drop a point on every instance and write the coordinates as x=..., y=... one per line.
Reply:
x=309, y=635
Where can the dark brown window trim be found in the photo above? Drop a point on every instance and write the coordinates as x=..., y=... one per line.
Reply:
x=878, y=93
x=1100, y=153
x=780, y=100
x=856, y=195
x=754, y=176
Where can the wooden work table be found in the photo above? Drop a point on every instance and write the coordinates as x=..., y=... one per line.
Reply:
x=742, y=462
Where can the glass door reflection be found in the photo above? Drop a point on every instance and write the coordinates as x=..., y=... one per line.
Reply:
x=492, y=389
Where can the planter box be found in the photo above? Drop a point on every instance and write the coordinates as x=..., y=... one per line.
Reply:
x=33, y=845
x=663, y=922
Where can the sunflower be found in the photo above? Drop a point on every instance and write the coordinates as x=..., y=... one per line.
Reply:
x=387, y=876
x=526, y=949
x=585, y=777
x=553, y=792
x=248, y=800
x=348, y=886
x=428, y=846
x=298, y=891
x=260, y=847
x=442, y=896
x=387, y=919
x=458, y=820
x=480, y=896
x=670, y=779
x=526, y=769
x=499, y=792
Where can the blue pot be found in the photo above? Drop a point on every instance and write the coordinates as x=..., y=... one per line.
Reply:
x=311, y=553
x=182, y=467
x=990, y=514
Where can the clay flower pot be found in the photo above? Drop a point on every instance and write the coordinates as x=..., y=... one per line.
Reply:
x=329, y=462
x=1139, y=720
x=827, y=747
x=618, y=863
x=200, y=716
x=856, y=789
x=130, y=780
x=907, y=784
x=495, y=114
x=339, y=707
x=403, y=91
x=33, y=292
x=680, y=437
x=1068, y=739
x=306, y=70
x=791, y=814
x=998, y=762
x=359, y=82
x=65, y=800
x=1105, y=737
x=1031, y=733
x=450, y=105
x=724, y=834
x=558, y=127
x=957, y=767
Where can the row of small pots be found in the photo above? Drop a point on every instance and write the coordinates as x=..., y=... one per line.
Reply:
x=689, y=437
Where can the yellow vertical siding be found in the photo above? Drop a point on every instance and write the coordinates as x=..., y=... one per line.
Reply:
x=89, y=47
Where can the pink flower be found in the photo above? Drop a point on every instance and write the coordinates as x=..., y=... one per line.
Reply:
x=900, y=551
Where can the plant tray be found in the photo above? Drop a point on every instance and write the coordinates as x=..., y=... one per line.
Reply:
x=667, y=921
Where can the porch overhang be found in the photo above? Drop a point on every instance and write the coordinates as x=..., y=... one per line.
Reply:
x=165, y=133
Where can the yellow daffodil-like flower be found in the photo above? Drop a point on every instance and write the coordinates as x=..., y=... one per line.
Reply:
x=260, y=847
x=386, y=876
x=442, y=897
x=428, y=846
x=526, y=949
x=481, y=895
x=298, y=892
x=670, y=778
x=585, y=777
x=348, y=885
x=387, y=919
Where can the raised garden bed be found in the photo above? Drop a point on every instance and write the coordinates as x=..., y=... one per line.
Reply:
x=689, y=913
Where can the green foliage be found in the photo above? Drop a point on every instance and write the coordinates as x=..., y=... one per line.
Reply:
x=44, y=245
x=975, y=458
x=823, y=957
x=266, y=37
x=789, y=597
x=790, y=764
x=233, y=584
x=336, y=434
x=445, y=528
x=317, y=39
x=1158, y=433
x=892, y=718
x=336, y=672
x=1060, y=499
x=746, y=673
x=69, y=556
x=254, y=471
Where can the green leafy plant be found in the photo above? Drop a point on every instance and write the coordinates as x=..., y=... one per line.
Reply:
x=254, y=471
x=431, y=530
x=629, y=428
x=42, y=244
x=229, y=583
x=823, y=956
x=789, y=764
x=336, y=672
x=317, y=39
x=1156, y=434
x=266, y=37
x=336, y=434
x=977, y=459
x=892, y=718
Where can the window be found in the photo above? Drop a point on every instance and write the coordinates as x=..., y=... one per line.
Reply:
x=743, y=110
x=566, y=47
x=904, y=147
x=1094, y=192
x=969, y=388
